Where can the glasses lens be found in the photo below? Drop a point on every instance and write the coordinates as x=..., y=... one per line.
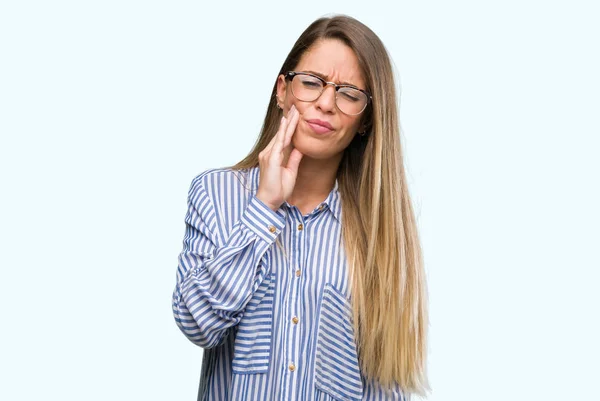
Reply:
x=351, y=101
x=306, y=88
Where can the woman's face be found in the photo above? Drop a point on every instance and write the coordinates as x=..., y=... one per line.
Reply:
x=335, y=62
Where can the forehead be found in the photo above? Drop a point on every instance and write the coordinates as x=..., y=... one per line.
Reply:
x=334, y=60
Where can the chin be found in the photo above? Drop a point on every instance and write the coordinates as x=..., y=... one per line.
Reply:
x=311, y=147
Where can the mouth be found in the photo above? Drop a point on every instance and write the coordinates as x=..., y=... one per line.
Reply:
x=319, y=126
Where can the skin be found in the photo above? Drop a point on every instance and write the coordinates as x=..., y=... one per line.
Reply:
x=298, y=165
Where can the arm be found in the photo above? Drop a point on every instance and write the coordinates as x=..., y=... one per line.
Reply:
x=218, y=271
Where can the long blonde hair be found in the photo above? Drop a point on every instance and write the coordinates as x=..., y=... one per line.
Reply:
x=389, y=289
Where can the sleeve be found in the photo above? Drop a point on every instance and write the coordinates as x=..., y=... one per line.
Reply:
x=218, y=271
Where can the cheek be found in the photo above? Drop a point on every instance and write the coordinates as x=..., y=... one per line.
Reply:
x=300, y=106
x=351, y=124
x=292, y=101
x=350, y=130
x=289, y=98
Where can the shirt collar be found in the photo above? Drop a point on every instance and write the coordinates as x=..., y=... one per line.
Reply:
x=333, y=200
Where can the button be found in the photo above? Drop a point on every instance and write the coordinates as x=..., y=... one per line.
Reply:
x=321, y=207
x=300, y=227
x=272, y=228
x=295, y=320
x=292, y=367
x=298, y=273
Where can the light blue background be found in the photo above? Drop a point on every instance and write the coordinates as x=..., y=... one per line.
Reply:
x=108, y=109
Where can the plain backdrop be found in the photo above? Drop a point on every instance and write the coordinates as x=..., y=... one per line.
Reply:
x=108, y=110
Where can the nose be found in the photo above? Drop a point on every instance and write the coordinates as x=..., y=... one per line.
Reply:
x=326, y=100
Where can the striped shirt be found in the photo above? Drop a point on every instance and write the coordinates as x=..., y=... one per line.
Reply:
x=275, y=324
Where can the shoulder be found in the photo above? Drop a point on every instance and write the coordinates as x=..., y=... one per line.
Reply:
x=220, y=183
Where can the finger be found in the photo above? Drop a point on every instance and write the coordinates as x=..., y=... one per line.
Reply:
x=291, y=129
x=278, y=146
x=294, y=161
x=283, y=123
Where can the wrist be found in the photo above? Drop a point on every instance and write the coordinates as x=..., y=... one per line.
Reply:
x=267, y=203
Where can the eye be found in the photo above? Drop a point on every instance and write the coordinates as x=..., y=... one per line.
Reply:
x=351, y=95
x=310, y=82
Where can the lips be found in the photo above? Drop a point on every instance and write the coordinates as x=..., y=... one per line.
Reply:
x=321, y=123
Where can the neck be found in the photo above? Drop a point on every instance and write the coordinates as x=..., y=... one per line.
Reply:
x=314, y=182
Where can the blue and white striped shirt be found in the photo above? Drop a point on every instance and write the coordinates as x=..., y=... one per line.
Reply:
x=274, y=325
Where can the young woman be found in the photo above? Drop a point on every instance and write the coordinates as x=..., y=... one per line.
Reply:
x=301, y=273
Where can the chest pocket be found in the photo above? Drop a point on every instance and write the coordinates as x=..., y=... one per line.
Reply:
x=337, y=372
x=252, y=346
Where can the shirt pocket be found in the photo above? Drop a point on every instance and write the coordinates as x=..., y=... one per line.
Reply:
x=337, y=371
x=252, y=346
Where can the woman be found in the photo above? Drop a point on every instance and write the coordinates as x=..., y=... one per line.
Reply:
x=301, y=274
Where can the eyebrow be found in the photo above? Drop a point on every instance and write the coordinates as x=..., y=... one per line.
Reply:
x=327, y=79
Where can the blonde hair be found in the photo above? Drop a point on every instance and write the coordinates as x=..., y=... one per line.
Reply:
x=389, y=289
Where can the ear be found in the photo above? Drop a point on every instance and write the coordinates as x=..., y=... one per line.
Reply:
x=281, y=89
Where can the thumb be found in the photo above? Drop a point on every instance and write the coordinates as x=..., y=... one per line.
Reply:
x=294, y=160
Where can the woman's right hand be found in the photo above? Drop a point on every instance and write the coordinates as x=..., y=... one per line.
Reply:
x=277, y=181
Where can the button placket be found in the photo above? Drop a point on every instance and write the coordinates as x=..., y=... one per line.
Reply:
x=294, y=305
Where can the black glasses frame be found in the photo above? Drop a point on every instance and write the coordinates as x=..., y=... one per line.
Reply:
x=291, y=74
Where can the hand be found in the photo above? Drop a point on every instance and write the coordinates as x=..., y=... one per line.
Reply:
x=277, y=181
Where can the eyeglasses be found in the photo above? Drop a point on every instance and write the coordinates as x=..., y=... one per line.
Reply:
x=307, y=87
